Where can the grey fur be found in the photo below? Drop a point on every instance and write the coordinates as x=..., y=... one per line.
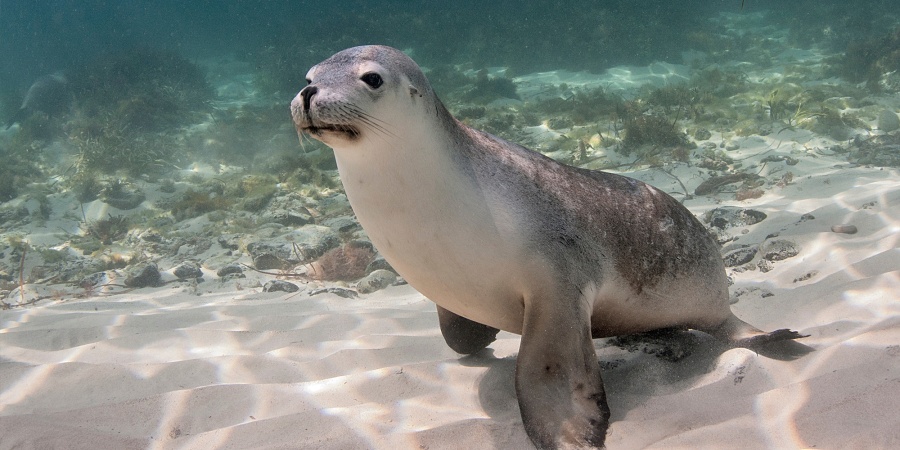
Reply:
x=501, y=237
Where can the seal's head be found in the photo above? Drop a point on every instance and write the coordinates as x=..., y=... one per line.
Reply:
x=359, y=92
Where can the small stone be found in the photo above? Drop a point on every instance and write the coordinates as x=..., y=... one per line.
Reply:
x=280, y=286
x=229, y=269
x=779, y=249
x=267, y=261
x=806, y=276
x=340, y=292
x=739, y=256
x=729, y=216
x=122, y=196
x=888, y=121
x=702, y=134
x=376, y=281
x=187, y=270
x=764, y=265
x=93, y=280
x=143, y=275
x=844, y=229
x=379, y=263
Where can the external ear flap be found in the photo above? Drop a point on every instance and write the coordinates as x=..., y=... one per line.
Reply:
x=413, y=91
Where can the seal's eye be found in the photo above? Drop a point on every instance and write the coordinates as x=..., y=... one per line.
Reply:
x=372, y=79
x=308, y=81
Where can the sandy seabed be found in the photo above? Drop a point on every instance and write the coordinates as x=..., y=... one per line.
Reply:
x=238, y=368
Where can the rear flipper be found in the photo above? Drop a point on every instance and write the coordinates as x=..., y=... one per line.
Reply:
x=778, y=344
x=463, y=335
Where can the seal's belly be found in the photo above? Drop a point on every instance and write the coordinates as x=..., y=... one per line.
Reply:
x=475, y=275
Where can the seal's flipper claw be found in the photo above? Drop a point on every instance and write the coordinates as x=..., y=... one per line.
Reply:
x=463, y=335
x=558, y=383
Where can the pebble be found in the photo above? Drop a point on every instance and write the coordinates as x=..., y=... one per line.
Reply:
x=730, y=216
x=229, y=269
x=844, y=229
x=188, y=269
x=280, y=286
x=779, y=249
x=376, y=281
x=888, y=121
x=739, y=256
x=340, y=292
x=143, y=274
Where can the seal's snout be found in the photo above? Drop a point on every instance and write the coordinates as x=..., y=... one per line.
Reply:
x=306, y=94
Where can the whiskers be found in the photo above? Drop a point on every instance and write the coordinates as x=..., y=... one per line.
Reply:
x=341, y=118
x=375, y=124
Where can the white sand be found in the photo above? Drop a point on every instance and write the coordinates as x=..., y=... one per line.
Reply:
x=237, y=368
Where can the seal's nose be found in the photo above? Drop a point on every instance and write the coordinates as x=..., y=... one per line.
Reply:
x=307, y=94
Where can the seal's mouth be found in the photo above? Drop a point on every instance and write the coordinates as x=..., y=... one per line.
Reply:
x=322, y=129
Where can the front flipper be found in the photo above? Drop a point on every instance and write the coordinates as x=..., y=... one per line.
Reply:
x=558, y=382
x=463, y=335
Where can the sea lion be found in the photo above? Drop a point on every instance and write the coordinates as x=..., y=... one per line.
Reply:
x=48, y=94
x=503, y=238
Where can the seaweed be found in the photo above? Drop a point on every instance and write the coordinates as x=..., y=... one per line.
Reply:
x=868, y=60
x=193, y=203
x=344, y=263
x=108, y=229
x=486, y=88
x=651, y=129
x=144, y=89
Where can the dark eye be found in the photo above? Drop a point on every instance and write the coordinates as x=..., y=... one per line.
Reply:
x=372, y=79
x=308, y=81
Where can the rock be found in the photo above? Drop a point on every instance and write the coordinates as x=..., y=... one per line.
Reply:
x=229, y=269
x=288, y=211
x=739, y=256
x=340, y=292
x=229, y=241
x=702, y=134
x=888, y=121
x=778, y=249
x=93, y=280
x=13, y=213
x=342, y=224
x=122, y=195
x=730, y=216
x=151, y=236
x=143, y=274
x=188, y=269
x=379, y=263
x=303, y=244
x=280, y=286
x=376, y=281
x=314, y=240
x=268, y=261
x=764, y=265
x=845, y=229
x=288, y=218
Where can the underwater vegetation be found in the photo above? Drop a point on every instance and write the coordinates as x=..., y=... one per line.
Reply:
x=239, y=134
x=345, y=263
x=298, y=169
x=125, y=103
x=193, y=203
x=108, y=229
x=871, y=59
x=487, y=88
x=144, y=89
